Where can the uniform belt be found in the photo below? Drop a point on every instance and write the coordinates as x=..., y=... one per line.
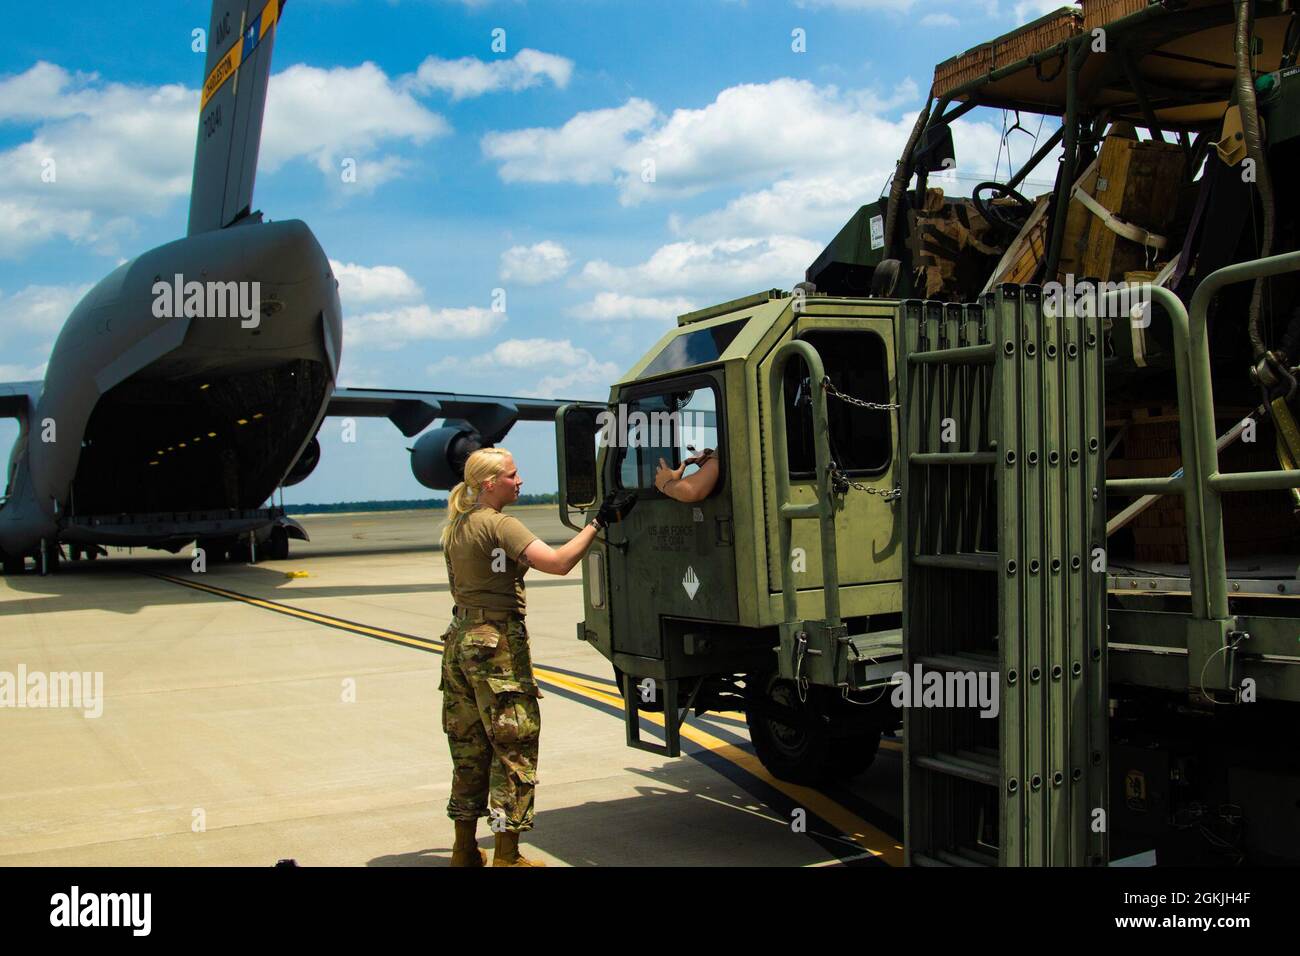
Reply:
x=484, y=614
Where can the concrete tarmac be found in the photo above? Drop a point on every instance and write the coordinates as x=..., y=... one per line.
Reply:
x=290, y=709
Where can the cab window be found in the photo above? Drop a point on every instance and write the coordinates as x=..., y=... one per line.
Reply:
x=673, y=425
x=860, y=438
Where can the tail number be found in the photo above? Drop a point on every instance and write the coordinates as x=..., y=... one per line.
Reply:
x=211, y=122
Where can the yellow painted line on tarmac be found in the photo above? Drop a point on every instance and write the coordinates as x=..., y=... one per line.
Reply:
x=326, y=619
x=603, y=687
x=874, y=841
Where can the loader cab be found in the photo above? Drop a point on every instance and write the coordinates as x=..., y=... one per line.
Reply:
x=677, y=559
x=674, y=568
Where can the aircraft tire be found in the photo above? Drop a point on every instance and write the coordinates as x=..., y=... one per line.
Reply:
x=277, y=546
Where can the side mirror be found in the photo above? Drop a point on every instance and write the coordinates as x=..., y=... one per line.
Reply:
x=575, y=437
x=935, y=152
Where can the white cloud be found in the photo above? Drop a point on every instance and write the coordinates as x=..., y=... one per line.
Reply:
x=1027, y=10
x=755, y=138
x=360, y=376
x=531, y=265
x=469, y=76
x=393, y=320
x=535, y=353
x=941, y=20
x=615, y=307
x=709, y=269
x=39, y=309
x=396, y=328
x=22, y=373
x=328, y=115
x=817, y=206
x=750, y=134
x=43, y=93
x=591, y=380
x=759, y=132
x=569, y=367
x=370, y=284
x=102, y=154
x=899, y=6
x=799, y=206
x=586, y=149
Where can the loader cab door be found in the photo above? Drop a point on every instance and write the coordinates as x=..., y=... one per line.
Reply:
x=669, y=558
x=858, y=355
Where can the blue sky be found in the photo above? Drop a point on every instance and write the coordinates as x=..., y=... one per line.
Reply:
x=523, y=170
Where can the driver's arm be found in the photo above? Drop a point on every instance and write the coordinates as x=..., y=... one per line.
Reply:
x=694, y=487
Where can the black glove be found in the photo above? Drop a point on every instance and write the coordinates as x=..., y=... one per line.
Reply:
x=616, y=506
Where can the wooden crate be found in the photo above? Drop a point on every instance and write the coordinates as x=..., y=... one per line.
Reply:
x=1042, y=34
x=1140, y=182
x=1023, y=257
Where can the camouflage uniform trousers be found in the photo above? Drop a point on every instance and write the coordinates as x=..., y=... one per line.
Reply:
x=492, y=721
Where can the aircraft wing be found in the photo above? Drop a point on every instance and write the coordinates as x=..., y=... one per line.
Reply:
x=490, y=415
x=18, y=398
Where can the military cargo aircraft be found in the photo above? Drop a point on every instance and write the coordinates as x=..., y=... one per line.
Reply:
x=190, y=383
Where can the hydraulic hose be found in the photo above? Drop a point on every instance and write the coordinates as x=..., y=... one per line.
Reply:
x=1245, y=83
x=902, y=175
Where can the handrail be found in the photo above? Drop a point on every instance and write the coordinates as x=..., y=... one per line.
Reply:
x=1209, y=476
x=1188, y=439
x=786, y=510
x=1207, y=561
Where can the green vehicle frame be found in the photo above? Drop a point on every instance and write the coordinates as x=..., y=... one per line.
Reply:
x=850, y=539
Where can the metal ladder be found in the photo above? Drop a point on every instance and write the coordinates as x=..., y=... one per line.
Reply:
x=1002, y=429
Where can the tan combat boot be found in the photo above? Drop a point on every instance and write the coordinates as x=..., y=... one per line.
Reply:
x=506, y=852
x=465, y=851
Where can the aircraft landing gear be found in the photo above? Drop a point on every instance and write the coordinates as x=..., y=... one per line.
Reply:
x=244, y=551
x=277, y=546
x=47, y=562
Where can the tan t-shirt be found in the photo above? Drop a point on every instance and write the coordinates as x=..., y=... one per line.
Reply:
x=483, y=566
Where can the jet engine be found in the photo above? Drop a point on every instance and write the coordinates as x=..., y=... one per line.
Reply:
x=305, y=464
x=438, y=458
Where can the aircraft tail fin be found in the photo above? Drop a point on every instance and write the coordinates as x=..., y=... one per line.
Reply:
x=232, y=100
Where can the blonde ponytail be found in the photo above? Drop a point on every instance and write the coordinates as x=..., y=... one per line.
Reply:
x=482, y=465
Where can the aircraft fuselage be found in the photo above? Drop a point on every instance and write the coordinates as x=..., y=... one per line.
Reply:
x=166, y=393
